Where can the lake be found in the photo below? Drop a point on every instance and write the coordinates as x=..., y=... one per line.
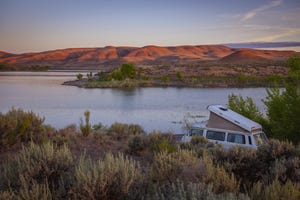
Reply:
x=153, y=108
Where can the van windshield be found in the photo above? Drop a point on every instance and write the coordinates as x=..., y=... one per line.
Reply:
x=260, y=139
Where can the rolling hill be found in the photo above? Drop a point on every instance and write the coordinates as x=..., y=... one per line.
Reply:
x=97, y=58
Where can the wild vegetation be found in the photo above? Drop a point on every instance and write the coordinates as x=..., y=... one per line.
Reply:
x=27, y=68
x=128, y=75
x=123, y=162
x=282, y=120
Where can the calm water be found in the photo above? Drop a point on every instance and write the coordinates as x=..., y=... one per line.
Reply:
x=153, y=108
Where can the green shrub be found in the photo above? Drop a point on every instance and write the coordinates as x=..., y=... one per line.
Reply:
x=179, y=76
x=39, y=68
x=135, y=129
x=98, y=126
x=59, y=139
x=182, y=190
x=38, y=168
x=85, y=128
x=19, y=125
x=168, y=166
x=240, y=161
x=275, y=191
x=136, y=144
x=217, y=176
x=274, y=160
x=198, y=140
x=165, y=79
x=119, y=131
x=279, y=156
x=31, y=189
x=79, y=76
x=158, y=142
x=113, y=177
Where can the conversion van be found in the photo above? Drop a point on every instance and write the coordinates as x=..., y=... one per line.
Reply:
x=228, y=128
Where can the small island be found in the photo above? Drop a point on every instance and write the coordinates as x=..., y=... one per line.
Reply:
x=128, y=75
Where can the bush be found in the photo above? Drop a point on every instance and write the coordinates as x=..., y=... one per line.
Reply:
x=136, y=144
x=158, y=142
x=275, y=160
x=79, y=76
x=85, y=128
x=179, y=76
x=113, y=177
x=281, y=159
x=182, y=190
x=240, y=161
x=169, y=166
x=165, y=79
x=119, y=131
x=19, y=125
x=97, y=127
x=275, y=191
x=217, y=176
x=38, y=169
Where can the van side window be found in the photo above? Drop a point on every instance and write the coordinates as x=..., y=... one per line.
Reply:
x=250, y=141
x=197, y=132
x=236, y=138
x=215, y=135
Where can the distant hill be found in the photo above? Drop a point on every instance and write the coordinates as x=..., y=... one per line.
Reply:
x=96, y=58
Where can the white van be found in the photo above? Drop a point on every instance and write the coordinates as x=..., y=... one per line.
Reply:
x=228, y=128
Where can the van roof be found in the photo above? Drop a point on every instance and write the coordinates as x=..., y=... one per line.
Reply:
x=235, y=118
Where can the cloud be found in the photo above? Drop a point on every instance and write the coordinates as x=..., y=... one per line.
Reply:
x=262, y=8
x=283, y=33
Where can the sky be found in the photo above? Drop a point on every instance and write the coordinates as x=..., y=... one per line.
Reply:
x=40, y=25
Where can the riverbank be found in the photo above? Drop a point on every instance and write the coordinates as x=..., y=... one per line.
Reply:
x=203, y=82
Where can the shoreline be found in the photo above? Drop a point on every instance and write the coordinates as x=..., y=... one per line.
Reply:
x=224, y=82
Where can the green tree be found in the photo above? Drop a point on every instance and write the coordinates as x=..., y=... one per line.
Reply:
x=243, y=106
x=165, y=78
x=117, y=75
x=128, y=70
x=247, y=108
x=283, y=111
x=79, y=76
x=179, y=75
x=293, y=63
x=283, y=106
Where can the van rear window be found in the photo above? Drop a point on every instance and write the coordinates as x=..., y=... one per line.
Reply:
x=215, y=135
x=236, y=138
